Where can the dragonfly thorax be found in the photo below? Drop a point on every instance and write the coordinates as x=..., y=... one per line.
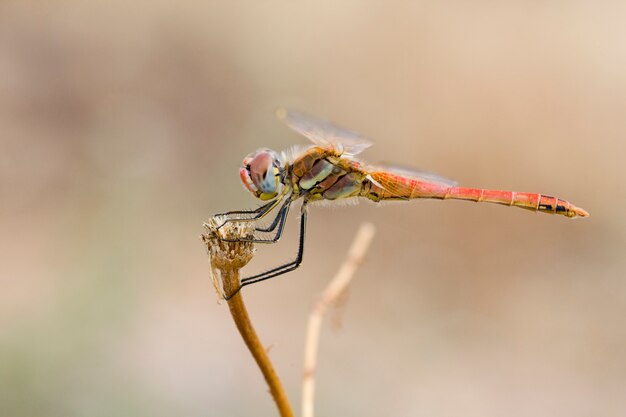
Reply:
x=261, y=173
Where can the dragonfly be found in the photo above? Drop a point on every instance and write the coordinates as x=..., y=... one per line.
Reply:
x=329, y=170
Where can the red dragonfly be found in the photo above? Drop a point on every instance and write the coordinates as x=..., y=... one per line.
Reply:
x=328, y=170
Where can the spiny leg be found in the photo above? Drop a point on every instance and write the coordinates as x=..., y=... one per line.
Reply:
x=257, y=214
x=283, y=269
x=288, y=266
x=275, y=222
x=255, y=211
x=279, y=221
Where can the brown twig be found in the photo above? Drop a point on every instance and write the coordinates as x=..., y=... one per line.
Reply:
x=227, y=258
x=332, y=292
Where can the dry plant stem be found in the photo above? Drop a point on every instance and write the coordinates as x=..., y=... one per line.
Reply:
x=228, y=258
x=238, y=310
x=332, y=292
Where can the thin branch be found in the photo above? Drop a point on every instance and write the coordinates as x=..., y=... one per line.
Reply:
x=227, y=258
x=333, y=291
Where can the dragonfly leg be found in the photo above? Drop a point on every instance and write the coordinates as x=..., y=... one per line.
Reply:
x=255, y=211
x=278, y=224
x=256, y=214
x=283, y=269
x=278, y=220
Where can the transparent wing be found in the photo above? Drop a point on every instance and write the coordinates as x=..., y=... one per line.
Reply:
x=411, y=174
x=323, y=133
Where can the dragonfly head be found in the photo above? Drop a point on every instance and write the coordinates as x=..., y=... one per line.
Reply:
x=262, y=173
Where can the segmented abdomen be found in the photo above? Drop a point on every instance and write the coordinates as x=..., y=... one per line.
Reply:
x=386, y=186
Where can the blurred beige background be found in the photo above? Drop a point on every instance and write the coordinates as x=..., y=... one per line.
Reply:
x=122, y=127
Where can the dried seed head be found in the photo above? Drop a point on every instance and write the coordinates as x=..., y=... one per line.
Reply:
x=227, y=257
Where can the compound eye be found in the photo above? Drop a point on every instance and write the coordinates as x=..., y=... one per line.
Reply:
x=260, y=169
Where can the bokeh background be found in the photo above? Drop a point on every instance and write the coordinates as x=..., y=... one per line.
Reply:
x=122, y=127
